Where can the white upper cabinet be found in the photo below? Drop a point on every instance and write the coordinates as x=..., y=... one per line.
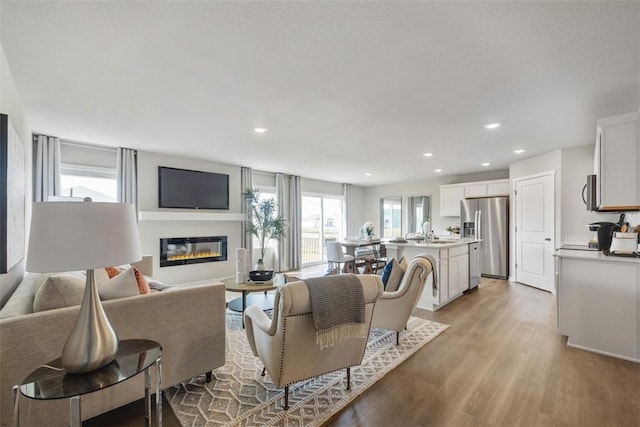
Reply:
x=617, y=162
x=475, y=190
x=452, y=194
x=499, y=187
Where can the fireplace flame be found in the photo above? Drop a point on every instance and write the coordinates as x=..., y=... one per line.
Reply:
x=194, y=255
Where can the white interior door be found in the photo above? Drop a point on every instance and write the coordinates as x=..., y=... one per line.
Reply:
x=535, y=231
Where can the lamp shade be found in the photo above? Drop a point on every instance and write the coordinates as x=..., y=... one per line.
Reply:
x=68, y=236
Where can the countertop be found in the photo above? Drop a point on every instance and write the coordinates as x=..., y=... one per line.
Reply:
x=442, y=243
x=594, y=255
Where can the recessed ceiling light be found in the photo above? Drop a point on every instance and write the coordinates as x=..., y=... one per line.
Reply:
x=492, y=125
x=486, y=164
x=428, y=154
x=259, y=130
x=518, y=151
x=368, y=173
x=438, y=170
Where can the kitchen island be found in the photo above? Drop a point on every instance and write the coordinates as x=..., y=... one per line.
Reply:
x=452, y=268
x=598, y=302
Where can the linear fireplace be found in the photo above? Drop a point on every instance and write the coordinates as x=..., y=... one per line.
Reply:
x=192, y=250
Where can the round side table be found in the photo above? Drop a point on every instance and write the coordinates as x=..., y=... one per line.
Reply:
x=134, y=356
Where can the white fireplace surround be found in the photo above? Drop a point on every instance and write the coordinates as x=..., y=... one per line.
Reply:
x=189, y=216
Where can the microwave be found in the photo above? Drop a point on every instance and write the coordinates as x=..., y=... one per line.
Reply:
x=591, y=197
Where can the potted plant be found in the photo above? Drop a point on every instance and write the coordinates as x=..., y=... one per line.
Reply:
x=263, y=222
x=366, y=231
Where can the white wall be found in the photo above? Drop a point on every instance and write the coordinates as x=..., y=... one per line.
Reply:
x=152, y=231
x=11, y=105
x=370, y=209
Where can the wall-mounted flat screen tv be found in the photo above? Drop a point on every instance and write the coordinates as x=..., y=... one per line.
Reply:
x=188, y=189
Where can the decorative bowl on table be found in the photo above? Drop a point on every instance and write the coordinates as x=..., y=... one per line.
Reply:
x=260, y=275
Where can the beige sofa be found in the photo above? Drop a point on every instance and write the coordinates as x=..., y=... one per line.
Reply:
x=188, y=322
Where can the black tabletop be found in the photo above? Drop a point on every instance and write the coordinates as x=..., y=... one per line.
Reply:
x=134, y=356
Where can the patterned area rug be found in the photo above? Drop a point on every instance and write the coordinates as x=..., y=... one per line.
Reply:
x=239, y=396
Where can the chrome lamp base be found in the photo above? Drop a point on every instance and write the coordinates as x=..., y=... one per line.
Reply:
x=93, y=343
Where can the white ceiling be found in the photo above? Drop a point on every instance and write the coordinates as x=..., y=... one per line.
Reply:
x=344, y=88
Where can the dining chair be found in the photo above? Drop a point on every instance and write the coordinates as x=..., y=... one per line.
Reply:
x=371, y=257
x=335, y=255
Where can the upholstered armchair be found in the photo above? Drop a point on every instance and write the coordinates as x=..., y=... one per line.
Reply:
x=287, y=343
x=394, y=308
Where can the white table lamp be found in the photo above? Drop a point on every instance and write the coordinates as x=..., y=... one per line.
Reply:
x=69, y=236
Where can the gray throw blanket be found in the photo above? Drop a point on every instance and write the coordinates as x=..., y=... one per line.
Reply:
x=337, y=303
x=433, y=262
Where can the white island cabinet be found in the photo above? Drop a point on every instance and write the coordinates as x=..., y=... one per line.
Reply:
x=599, y=302
x=452, y=269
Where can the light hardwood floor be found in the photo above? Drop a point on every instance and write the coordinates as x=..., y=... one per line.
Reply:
x=500, y=363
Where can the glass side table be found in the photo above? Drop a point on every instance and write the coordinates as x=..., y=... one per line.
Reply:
x=134, y=356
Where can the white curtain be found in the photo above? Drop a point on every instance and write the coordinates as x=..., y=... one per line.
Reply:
x=246, y=181
x=347, y=210
x=295, y=223
x=127, y=175
x=289, y=199
x=282, y=199
x=47, y=168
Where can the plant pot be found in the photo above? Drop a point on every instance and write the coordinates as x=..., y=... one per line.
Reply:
x=260, y=275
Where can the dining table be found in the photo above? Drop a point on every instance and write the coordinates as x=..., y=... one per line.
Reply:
x=370, y=261
x=351, y=245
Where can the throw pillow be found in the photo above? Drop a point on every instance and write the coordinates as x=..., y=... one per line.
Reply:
x=143, y=285
x=403, y=262
x=386, y=273
x=123, y=285
x=59, y=290
x=112, y=272
x=395, y=278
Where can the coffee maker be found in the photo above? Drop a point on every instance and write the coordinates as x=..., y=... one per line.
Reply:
x=603, y=234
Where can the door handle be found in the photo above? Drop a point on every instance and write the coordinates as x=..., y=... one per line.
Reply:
x=547, y=239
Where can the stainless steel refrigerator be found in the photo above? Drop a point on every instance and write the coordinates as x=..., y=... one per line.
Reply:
x=488, y=219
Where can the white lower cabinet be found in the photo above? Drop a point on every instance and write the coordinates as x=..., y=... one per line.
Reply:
x=443, y=280
x=599, y=306
x=458, y=274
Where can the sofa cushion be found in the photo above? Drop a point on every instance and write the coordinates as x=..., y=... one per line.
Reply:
x=60, y=290
x=21, y=301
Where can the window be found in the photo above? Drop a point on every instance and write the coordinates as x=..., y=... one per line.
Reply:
x=88, y=171
x=419, y=208
x=321, y=219
x=391, y=215
x=87, y=181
